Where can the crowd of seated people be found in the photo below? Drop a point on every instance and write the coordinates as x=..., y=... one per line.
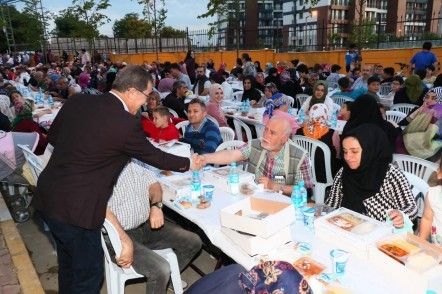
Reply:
x=361, y=154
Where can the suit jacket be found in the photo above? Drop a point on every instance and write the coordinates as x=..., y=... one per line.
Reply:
x=94, y=138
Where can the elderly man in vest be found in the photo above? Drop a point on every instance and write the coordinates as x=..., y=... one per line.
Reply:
x=274, y=159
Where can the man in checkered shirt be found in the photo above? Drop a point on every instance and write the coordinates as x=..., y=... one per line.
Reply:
x=135, y=209
x=275, y=160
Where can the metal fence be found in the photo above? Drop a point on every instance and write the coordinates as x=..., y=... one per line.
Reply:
x=325, y=35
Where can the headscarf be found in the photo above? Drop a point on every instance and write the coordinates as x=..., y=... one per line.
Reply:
x=275, y=102
x=213, y=88
x=413, y=88
x=314, y=100
x=272, y=87
x=438, y=91
x=4, y=107
x=252, y=93
x=23, y=110
x=365, y=181
x=273, y=277
x=317, y=123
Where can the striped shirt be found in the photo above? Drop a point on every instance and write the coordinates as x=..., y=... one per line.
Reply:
x=205, y=139
x=130, y=198
x=273, y=167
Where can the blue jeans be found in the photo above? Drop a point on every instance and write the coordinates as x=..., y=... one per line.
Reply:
x=156, y=269
x=80, y=258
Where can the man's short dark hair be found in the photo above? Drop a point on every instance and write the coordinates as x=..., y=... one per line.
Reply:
x=389, y=71
x=352, y=46
x=294, y=62
x=246, y=57
x=431, y=67
x=177, y=85
x=398, y=79
x=132, y=76
x=422, y=72
x=198, y=101
x=175, y=66
x=344, y=82
x=427, y=46
x=217, y=78
x=335, y=68
x=302, y=68
x=166, y=70
x=373, y=79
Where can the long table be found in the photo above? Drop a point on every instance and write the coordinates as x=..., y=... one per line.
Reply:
x=360, y=277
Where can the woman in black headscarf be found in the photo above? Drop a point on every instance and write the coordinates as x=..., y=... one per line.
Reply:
x=250, y=92
x=368, y=183
x=273, y=77
x=365, y=109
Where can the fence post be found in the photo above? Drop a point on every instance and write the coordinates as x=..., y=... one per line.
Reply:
x=379, y=30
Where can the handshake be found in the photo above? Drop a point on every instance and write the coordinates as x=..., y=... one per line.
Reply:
x=197, y=162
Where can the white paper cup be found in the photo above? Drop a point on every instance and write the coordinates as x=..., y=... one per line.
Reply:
x=339, y=261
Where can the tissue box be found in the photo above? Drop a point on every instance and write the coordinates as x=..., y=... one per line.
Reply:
x=176, y=186
x=254, y=245
x=395, y=261
x=220, y=177
x=258, y=217
x=351, y=231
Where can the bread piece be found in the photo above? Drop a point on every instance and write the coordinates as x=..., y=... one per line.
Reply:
x=166, y=173
x=186, y=204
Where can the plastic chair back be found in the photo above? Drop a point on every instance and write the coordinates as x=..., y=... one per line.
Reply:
x=239, y=125
x=181, y=126
x=173, y=112
x=414, y=165
x=419, y=188
x=230, y=145
x=237, y=96
x=395, y=116
x=332, y=86
x=227, y=134
x=291, y=101
x=213, y=119
x=385, y=89
x=35, y=162
x=404, y=107
x=301, y=99
x=340, y=99
x=311, y=145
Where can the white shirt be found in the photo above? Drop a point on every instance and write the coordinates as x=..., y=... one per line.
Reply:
x=124, y=104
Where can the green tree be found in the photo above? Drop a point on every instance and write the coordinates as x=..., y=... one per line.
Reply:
x=68, y=26
x=363, y=33
x=27, y=30
x=132, y=27
x=89, y=12
x=169, y=32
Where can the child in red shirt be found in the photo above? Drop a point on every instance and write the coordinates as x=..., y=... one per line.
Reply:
x=165, y=129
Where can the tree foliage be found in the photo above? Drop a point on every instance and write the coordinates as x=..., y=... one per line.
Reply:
x=132, y=27
x=169, y=32
x=363, y=33
x=68, y=26
x=27, y=29
x=89, y=13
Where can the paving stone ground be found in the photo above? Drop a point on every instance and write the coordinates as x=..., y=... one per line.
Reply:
x=8, y=279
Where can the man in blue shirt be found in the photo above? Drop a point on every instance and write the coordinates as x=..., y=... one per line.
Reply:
x=202, y=134
x=352, y=56
x=423, y=59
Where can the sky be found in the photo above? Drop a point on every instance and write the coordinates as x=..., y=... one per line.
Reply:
x=181, y=13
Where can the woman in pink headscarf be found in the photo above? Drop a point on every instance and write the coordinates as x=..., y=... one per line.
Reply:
x=213, y=107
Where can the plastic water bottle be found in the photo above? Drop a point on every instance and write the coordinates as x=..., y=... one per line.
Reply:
x=50, y=100
x=247, y=105
x=290, y=111
x=334, y=120
x=303, y=192
x=234, y=179
x=195, y=187
x=301, y=116
x=298, y=204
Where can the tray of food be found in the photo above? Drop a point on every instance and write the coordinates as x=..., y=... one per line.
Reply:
x=309, y=267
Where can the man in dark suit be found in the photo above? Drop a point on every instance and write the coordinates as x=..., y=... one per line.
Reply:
x=94, y=137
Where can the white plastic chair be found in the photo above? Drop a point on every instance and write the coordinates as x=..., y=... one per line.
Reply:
x=227, y=134
x=213, y=119
x=301, y=98
x=182, y=126
x=336, y=107
x=414, y=165
x=311, y=145
x=35, y=163
x=340, y=99
x=239, y=125
x=404, y=107
x=259, y=128
x=291, y=100
x=237, y=96
x=419, y=188
x=117, y=276
x=173, y=112
x=395, y=116
x=230, y=145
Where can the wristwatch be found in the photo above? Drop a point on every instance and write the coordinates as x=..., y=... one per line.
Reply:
x=157, y=204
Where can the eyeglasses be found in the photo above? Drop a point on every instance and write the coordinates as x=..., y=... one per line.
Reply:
x=145, y=95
